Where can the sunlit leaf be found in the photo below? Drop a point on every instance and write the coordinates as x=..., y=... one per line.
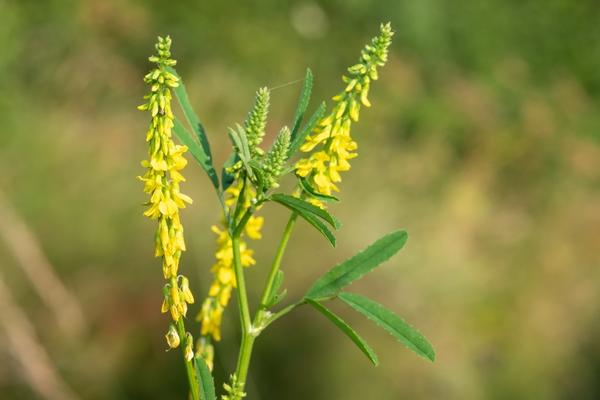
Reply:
x=392, y=323
x=344, y=327
x=300, y=204
x=357, y=266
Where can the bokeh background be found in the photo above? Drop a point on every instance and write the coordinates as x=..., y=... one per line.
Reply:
x=482, y=142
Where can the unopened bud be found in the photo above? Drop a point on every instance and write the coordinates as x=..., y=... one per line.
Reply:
x=172, y=337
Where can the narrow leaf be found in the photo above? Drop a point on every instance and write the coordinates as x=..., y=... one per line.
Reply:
x=194, y=122
x=186, y=138
x=300, y=204
x=303, y=101
x=300, y=135
x=275, y=296
x=344, y=327
x=392, y=323
x=244, y=141
x=238, y=138
x=357, y=266
x=308, y=189
x=205, y=380
x=259, y=174
x=227, y=178
x=318, y=225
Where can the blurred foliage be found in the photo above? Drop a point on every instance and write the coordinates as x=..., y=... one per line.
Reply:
x=483, y=144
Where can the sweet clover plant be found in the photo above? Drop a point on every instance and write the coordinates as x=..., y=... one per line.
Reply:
x=248, y=181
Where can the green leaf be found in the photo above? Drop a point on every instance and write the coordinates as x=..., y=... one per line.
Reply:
x=259, y=175
x=240, y=142
x=186, y=138
x=344, y=327
x=310, y=213
x=226, y=178
x=299, y=204
x=355, y=267
x=311, y=191
x=205, y=380
x=275, y=296
x=303, y=101
x=317, y=224
x=299, y=137
x=203, y=155
x=392, y=323
x=239, y=206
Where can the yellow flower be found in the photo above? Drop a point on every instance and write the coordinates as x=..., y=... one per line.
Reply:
x=253, y=227
x=332, y=133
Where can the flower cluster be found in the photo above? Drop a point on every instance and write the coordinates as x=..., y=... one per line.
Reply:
x=322, y=168
x=276, y=158
x=257, y=121
x=161, y=182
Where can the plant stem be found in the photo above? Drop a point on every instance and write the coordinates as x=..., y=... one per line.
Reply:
x=191, y=373
x=283, y=312
x=247, y=338
x=241, y=285
x=241, y=372
x=189, y=367
x=277, y=261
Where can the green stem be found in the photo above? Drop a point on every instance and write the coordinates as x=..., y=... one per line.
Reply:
x=247, y=337
x=283, y=312
x=241, y=372
x=241, y=285
x=191, y=373
x=277, y=261
x=189, y=367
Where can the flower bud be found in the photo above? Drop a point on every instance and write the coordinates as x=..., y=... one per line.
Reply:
x=172, y=337
x=189, y=347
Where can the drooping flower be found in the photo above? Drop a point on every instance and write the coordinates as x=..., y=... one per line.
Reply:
x=172, y=337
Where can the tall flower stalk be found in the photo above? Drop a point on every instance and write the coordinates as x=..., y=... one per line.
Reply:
x=249, y=180
x=161, y=182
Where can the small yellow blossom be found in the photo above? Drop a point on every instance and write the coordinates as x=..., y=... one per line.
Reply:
x=253, y=227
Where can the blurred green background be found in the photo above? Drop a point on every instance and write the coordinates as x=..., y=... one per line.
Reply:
x=483, y=142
